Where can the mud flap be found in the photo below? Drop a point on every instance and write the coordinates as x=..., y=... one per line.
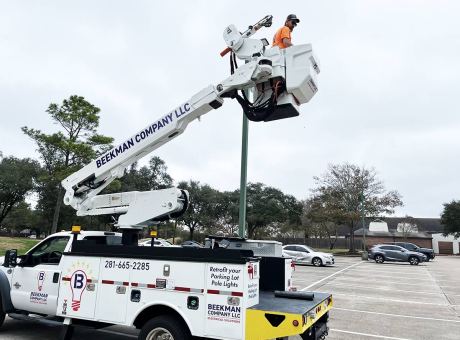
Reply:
x=66, y=330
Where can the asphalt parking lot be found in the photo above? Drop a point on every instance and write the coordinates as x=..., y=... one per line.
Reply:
x=371, y=301
x=391, y=300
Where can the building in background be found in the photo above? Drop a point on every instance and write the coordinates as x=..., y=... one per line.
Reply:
x=445, y=244
x=399, y=229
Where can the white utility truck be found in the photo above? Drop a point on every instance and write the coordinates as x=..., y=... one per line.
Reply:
x=171, y=293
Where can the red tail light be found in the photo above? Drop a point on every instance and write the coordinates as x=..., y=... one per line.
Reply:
x=251, y=271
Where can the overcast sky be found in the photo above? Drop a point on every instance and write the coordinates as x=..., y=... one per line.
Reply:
x=389, y=94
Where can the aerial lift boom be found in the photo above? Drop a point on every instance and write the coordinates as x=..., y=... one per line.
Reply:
x=279, y=80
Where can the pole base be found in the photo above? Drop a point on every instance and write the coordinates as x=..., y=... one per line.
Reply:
x=364, y=256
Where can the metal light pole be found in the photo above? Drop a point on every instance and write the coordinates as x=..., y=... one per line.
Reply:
x=364, y=256
x=243, y=178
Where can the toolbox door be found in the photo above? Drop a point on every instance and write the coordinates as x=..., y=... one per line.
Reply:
x=113, y=294
x=79, y=286
x=225, y=300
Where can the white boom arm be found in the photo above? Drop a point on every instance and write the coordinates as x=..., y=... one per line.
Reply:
x=280, y=80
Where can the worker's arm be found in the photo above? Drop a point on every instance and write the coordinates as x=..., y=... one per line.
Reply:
x=287, y=42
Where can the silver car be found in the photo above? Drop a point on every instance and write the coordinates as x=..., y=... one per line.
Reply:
x=302, y=254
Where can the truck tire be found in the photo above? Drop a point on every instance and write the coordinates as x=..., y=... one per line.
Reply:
x=2, y=312
x=164, y=327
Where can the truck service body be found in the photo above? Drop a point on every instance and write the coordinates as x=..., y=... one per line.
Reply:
x=214, y=292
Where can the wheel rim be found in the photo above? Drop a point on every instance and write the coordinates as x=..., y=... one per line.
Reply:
x=159, y=334
x=317, y=262
x=379, y=259
x=413, y=260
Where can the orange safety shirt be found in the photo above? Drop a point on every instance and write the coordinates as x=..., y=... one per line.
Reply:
x=283, y=32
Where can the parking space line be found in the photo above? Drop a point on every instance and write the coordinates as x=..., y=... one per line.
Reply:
x=392, y=300
x=328, y=277
x=393, y=276
x=396, y=315
x=441, y=280
x=368, y=335
x=363, y=270
x=387, y=289
x=399, y=282
x=399, y=269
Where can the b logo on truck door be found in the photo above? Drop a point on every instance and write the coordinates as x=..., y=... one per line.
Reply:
x=78, y=282
x=41, y=280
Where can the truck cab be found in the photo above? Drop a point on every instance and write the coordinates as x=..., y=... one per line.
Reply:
x=35, y=280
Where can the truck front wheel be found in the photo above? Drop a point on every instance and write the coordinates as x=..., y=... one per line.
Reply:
x=164, y=327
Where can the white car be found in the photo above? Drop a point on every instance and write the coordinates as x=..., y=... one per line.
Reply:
x=159, y=242
x=302, y=254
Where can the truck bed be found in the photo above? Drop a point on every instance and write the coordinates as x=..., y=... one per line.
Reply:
x=269, y=303
x=276, y=317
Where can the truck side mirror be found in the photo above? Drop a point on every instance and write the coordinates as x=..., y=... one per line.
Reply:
x=11, y=258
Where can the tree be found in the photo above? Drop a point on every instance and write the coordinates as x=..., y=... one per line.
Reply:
x=321, y=220
x=450, y=218
x=307, y=226
x=152, y=177
x=17, y=179
x=201, y=212
x=226, y=213
x=268, y=206
x=407, y=226
x=342, y=188
x=23, y=217
x=67, y=150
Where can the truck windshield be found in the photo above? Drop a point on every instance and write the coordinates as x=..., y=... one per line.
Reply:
x=54, y=244
x=48, y=252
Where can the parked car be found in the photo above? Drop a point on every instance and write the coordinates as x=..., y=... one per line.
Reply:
x=191, y=244
x=159, y=242
x=413, y=247
x=386, y=252
x=302, y=254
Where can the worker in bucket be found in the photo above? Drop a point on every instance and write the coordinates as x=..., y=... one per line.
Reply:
x=282, y=38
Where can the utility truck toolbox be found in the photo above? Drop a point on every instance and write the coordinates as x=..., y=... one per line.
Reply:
x=215, y=291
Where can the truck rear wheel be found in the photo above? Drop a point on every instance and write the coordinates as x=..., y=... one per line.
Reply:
x=164, y=327
x=2, y=312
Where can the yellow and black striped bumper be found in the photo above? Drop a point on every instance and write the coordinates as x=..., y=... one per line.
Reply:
x=283, y=317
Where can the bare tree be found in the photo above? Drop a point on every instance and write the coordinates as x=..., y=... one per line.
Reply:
x=342, y=189
x=407, y=226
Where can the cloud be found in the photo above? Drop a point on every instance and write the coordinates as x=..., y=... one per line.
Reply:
x=388, y=93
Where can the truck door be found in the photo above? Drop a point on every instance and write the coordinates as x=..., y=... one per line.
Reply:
x=35, y=282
